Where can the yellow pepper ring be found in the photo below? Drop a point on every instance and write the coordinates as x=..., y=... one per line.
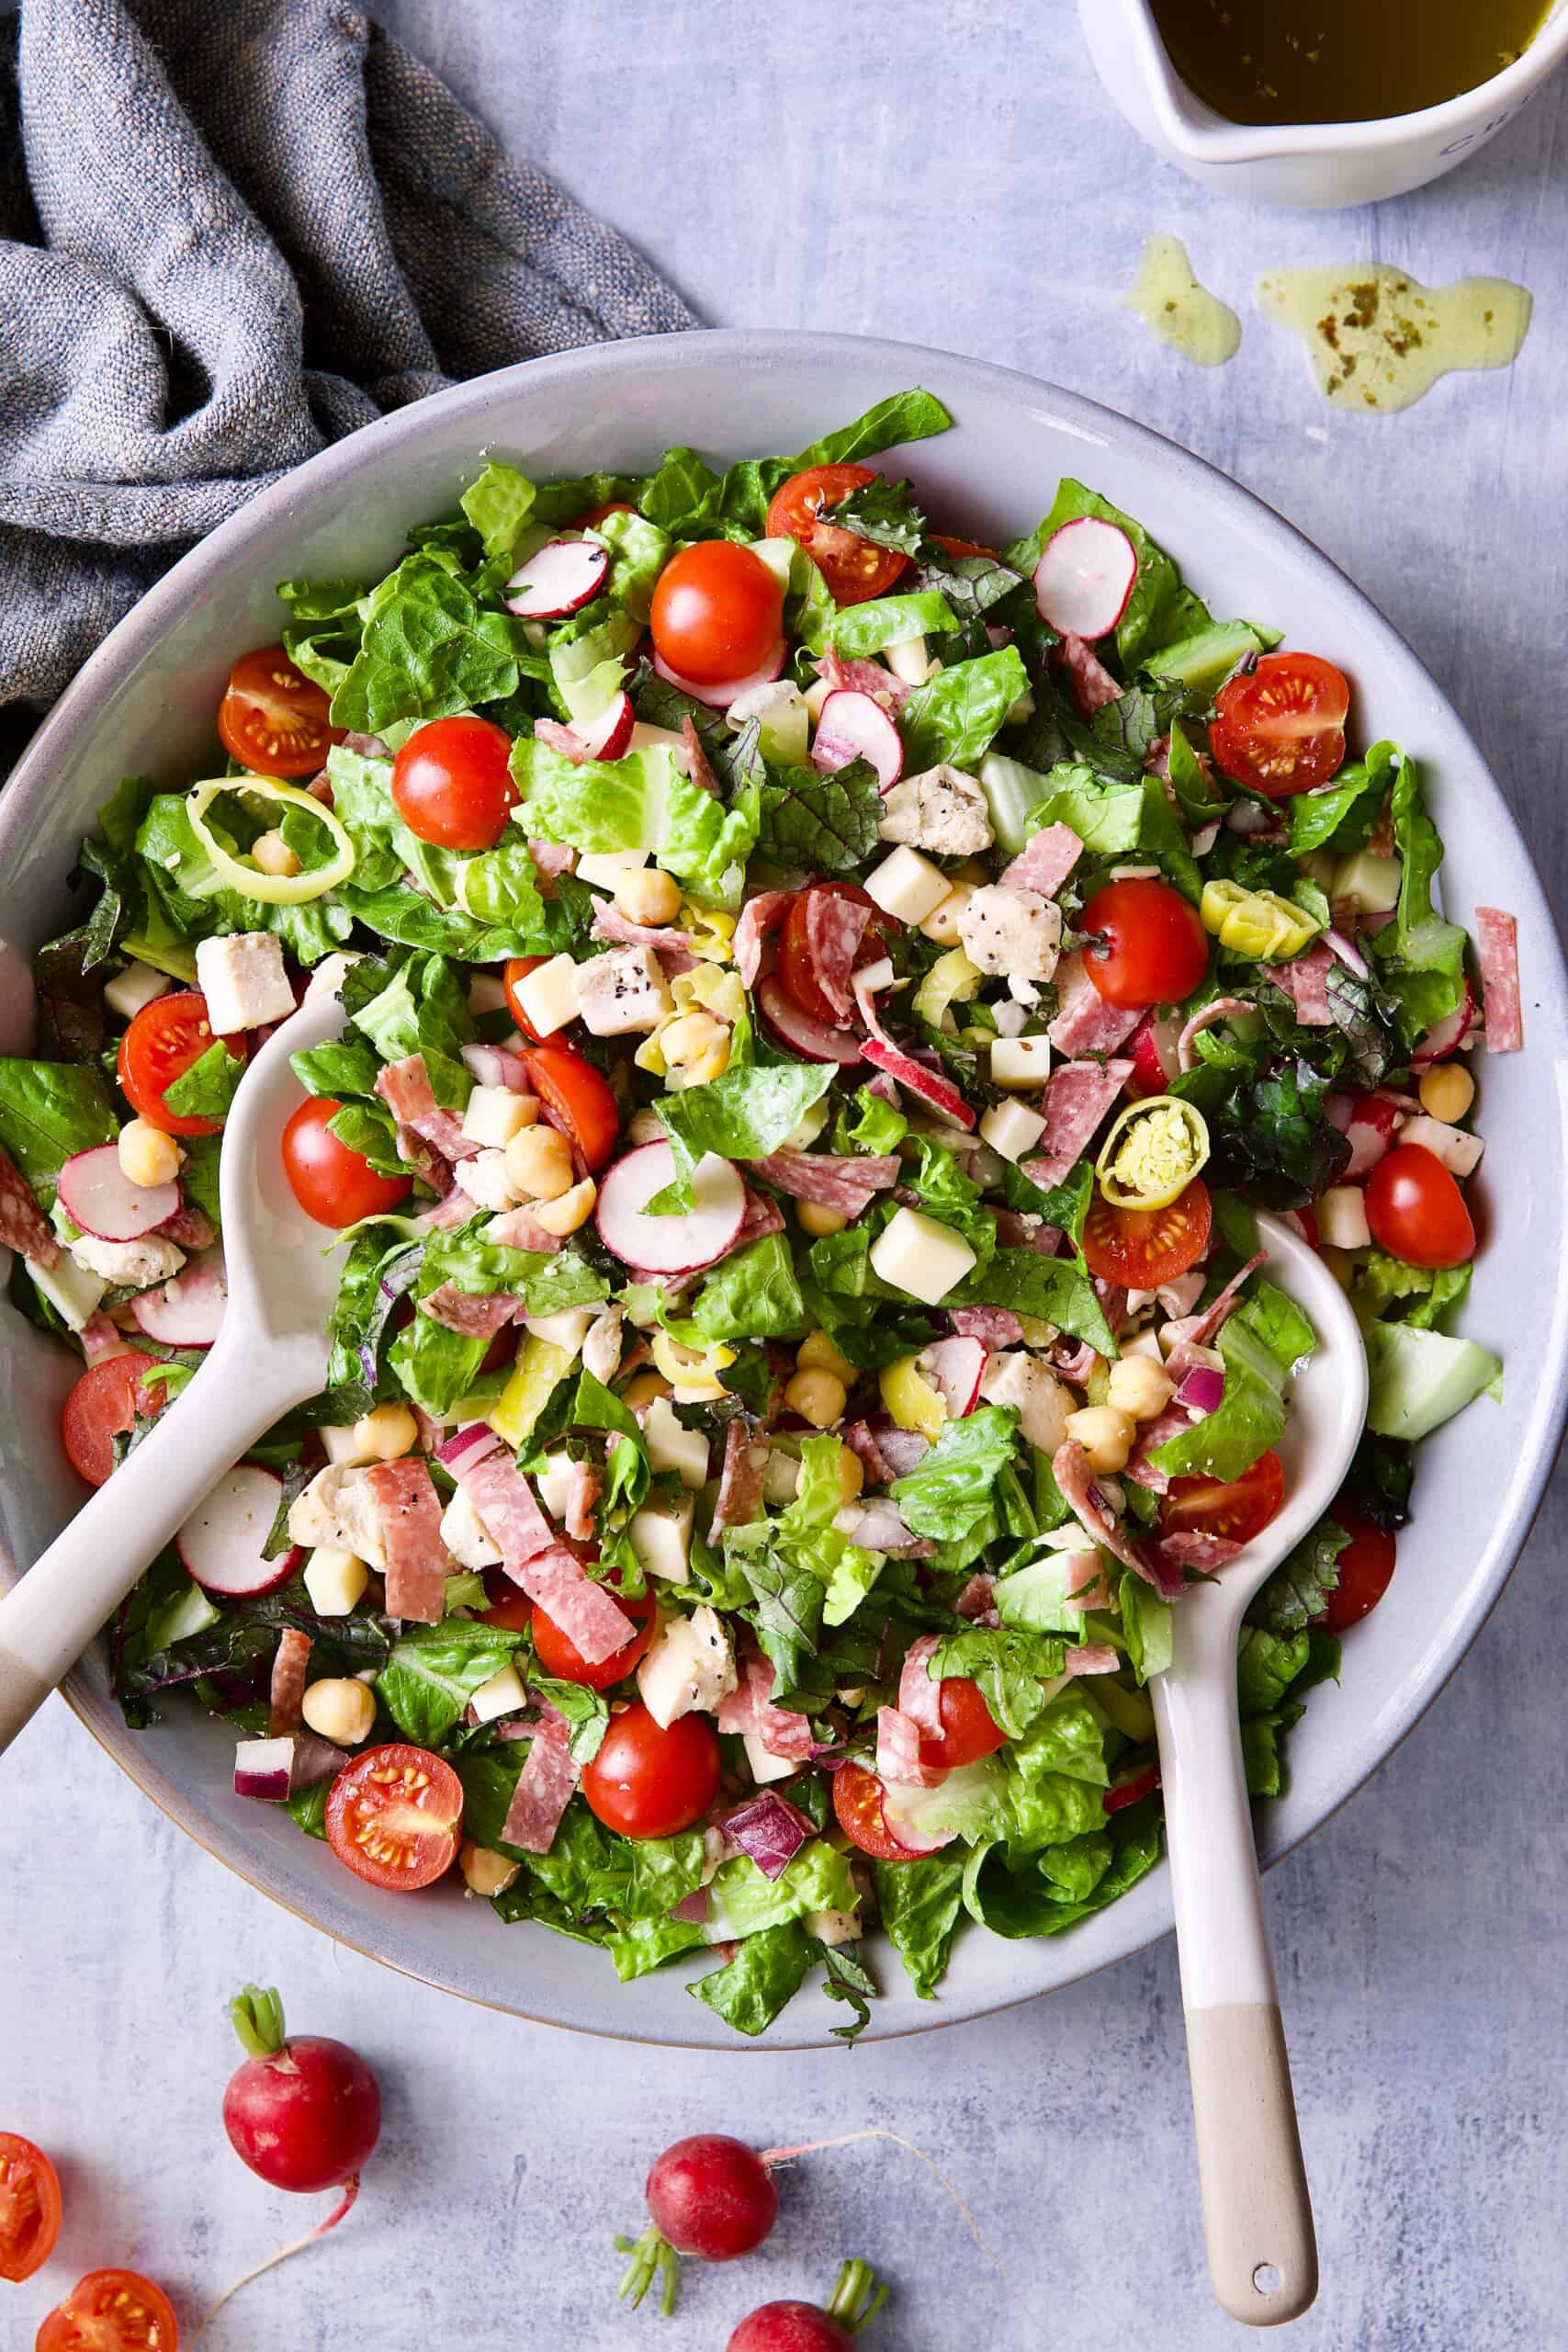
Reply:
x=1152, y=1153
x=272, y=889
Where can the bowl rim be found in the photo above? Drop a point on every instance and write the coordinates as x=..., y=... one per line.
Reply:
x=484, y=399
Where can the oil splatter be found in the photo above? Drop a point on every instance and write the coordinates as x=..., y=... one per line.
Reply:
x=1177, y=310
x=1376, y=338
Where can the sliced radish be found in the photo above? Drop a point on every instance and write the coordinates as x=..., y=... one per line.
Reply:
x=186, y=1311
x=100, y=1197
x=1443, y=1037
x=954, y=1367
x=565, y=575
x=1085, y=576
x=221, y=1542
x=1155, y=1047
x=932, y=1086
x=669, y=1245
x=810, y=1037
x=854, y=725
x=497, y=1066
x=721, y=696
x=275, y=1769
x=606, y=737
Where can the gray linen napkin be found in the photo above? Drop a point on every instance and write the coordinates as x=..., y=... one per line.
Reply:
x=231, y=232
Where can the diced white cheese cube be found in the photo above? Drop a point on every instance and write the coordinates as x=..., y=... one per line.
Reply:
x=1021, y=1061
x=465, y=1536
x=548, y=995
x=502, y=1695
x=496, y=1113
x=1365, y=884
x=816, y=693
x=622, y=991
x=689, y=1665
x=334, y=1580
x=486, y=993
x=602, y=869
x=765, y=1767
x=916, y=1254
x=661, y=1535
x=1341, y=1215
x=1459, y=1151
x=554, y=1483
x=673, y=1446
x=907, y=885
x=565, y=1329
x=129, y=1265
x=485, y=1181
x=136, y=986
x=942, y=923
x=910, y=662
x=72, y=1289
x=328, y=975
x=1012, y=1128
x=341, y=1443
x=1015, y=1377
x=243, y=981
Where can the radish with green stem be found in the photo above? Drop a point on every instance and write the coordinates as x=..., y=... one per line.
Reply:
x=810, y=2327
x=710, y=2196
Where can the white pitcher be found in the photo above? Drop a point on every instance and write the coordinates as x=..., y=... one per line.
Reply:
x=1319, y=164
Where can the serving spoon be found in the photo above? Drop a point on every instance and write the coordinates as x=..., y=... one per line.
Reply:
x=1256, y=2208
x=270, y=1354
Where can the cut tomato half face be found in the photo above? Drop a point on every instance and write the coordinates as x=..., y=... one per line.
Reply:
x=29, y=2207
x=1140, y=1249
x=1234, y=1509
x=273, y=719
x=854, y=568
x=1280, y=726
x=393, y=1816
x=111, y=2311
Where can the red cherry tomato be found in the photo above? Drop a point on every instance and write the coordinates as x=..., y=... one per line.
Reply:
x=1140, y=1248
x=507, y=1605
x=111, y=2311
x=580, y=1101
x=29, y=2207
x=452, y=783
x=1237, y=1509
x=796, y=968
x=968, y=1727
x=963, y=546
x=105, y=1403
x=1366, y=1566
x=160, y=1046
x=857, y=1802
x=1280, y=726
x=854, y=568
x=272, y=718
x=518, y=968
x=1416, y=1211
x=331, y=1182
x=393, y=1816
x=559, y=1655
x=1155, y=949
x=1129, y=1791
x=717, y=612
x=647, y=1781
x=595, y=515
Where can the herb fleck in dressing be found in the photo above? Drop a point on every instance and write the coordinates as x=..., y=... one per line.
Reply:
x=1177, y=310
x=1377, y=338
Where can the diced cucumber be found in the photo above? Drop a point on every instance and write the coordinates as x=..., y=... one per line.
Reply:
x=1011, y=790
x=1203, y=659
x=1421, y=1379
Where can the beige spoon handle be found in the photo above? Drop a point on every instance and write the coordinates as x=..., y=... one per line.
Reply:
x=1257, y=2208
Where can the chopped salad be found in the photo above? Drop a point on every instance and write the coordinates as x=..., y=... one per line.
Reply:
x=821, y=998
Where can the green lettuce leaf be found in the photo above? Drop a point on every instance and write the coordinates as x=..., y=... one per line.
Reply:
x=752, y=1294
x=821, y=824
x=49, y=1112
x=920, y=1904
x=498, y=505
x=434, y=1671
x=954, y=716
x=206, y=1090
x=429, y=649
x=744, y=1114
x=1419, y=958
x=640, y=802
x=949, y=1490
x=765, y=1974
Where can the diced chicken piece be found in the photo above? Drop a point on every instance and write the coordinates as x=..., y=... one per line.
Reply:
x=243, y=981
x=1018, y=1378
x=689, y=1667
x=484, y=1179
x=622, y=991
x=130, y=1265
x=601, y=1345
x=941, y=810
x=1011, y=930
x=464, y=1533
x=330, y=974
x=338, y=1510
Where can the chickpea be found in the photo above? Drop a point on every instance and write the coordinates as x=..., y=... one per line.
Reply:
x=484, y=1870
x=1447, y=1092
x=340, y=1710
x=146, y=1156
x=538, y=1164
x=1139, y=1387
x=648, y=895
x=816, y=1220
x=1106, y=1436
x=568, y=1210
x=851, y=1475
x=818, y=1353
x=818, y=1398
x=385, y=1434
x=272, y=854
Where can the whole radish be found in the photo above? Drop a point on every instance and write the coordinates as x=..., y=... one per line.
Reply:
x=710, y=2196
x=304, y=2113
x=806, y=2328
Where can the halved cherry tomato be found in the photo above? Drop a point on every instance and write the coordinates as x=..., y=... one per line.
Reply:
x=331, y=1182
x=518, y=968
x=1280, y=726
x=272, y=718
x=559, y=1655
x=160, y=1046
x=1237, y=1509
x=1155, y=950
x=1366, y=1568
x=105, y=1403
x=796, y=967
x=854, y=568
x=649, y=1781
x=507, y=1605
x=1416, y=1211
x=717, y=612
x=857, y=1802
x=111, y=2311
x=452, y=783
x=1140, y=1248
x=393, y=1816
x=580, y=1101
x=968, y=1727
x=595, y=515
x=29, y=2207
x=963, y=546
x=1128, y=1792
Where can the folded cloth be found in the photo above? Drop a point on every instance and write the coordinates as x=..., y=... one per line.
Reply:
x=231, y=232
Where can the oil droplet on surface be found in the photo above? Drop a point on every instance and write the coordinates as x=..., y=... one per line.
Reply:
x=1177, y=310
x=1376, y=338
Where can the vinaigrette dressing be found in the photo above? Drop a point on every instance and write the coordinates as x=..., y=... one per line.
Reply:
x=1177, y=310
x=1377, y=338
x=1340, y=61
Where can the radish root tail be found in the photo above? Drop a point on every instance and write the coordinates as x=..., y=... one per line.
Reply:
x=774, y=2157
x=296, y=2245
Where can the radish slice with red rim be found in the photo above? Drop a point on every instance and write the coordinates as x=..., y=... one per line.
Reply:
x=853, y=726
x=1085, y=577
x=720, y=697
x=222, y=1542
x=1443, y=1037
x=669, y=1245
x=955, y=1368
x=186, y=1311
x=811, y=1038
x=606, y=737
x=100, y=1197
x=565, y=575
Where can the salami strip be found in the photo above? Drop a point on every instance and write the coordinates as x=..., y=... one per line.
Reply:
x=865, y=678
x=585, y=1611
x=1201, y=1332
x=977, y=1600
x=860, y=1438
x=1044, y=862
x=551, y=858
x=1094, y=1658
x=1018, y=1230
x=930, y=1085
x=1069, y=1467
x=22, y=1224
x=609, y=922
x=762, y=1216
x=1191, y=1549
x=740, y=1480
x=544, y=1788
x=1087, y=1587
x=286, y=1691
x=697, y=760
x=1092, y=683
x=1085, y=1023
x=833, y=1181
x=994, y=1326
x=1078, y=1097
x=919, y=1697
x=747, y=1708
x=1175, y=1421
x=1497, y=954
x=190, y=1229
x=834, y=930
x=757, y=917
x=404, y=1087
x=506, y=1505
x=99, y=1339
x=470, y=1318
x=899, y=1750
x=408, y=1510
x=1305, y=981
x=519, y=1228
x=561, y=739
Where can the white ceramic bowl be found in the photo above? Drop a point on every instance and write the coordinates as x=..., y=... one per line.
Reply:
x=145, y=704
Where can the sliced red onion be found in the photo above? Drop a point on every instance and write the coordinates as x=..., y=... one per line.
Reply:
x=471, y=1443
x=691, y=1909
x=495, y=1066
x=396, y=1279
x=1246, y=817
x=1203, y=1391
x=1205, y=837
x=1348, y=953
x=768, y=1829
x=273, y=1769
